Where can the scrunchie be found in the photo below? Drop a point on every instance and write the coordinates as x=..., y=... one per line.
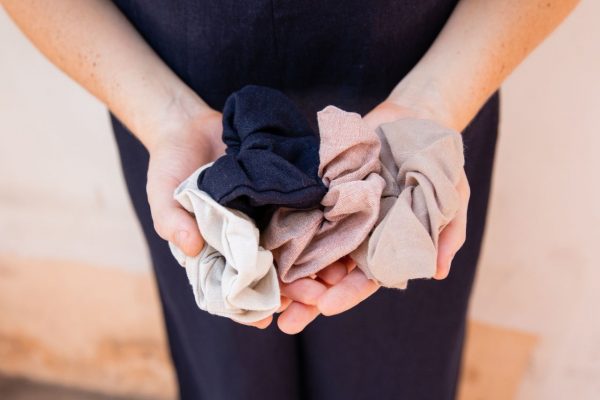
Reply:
x=305, y=241
x=232, y=276
x=422, y=163
x=271, y=158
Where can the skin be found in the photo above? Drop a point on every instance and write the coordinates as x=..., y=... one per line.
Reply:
x=92, y=42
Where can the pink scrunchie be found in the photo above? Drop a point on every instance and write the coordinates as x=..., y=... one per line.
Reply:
x=305, y=241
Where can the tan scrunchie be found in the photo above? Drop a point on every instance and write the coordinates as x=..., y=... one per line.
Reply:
x=305, y=241
x=232, y=276
x=422, y=163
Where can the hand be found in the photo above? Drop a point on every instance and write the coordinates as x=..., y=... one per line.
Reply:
x=336, y=288
x=453, y=235
x=180, y=145
x=341, y=286
x=300, y=306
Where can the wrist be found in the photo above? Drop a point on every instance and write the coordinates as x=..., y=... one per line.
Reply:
x=176, y=121
x=425, y=99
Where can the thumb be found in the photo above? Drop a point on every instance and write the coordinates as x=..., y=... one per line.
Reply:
x=171, y=221
x=453, y=236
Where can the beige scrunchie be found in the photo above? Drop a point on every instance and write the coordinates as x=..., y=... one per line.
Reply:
x=305, y=241
x=232, y=276
x=422, y=163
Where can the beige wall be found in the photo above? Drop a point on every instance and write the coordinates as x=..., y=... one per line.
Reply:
x=62, y=198
x=540, y=270
x=61, y=192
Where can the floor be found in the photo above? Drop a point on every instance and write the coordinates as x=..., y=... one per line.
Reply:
x=485, y=374
x=22, y=389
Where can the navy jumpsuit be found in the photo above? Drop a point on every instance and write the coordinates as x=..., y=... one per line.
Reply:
x=350, y=53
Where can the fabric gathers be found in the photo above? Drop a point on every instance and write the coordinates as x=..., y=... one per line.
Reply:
x=305, y=241
x=284, y=201
x=232, y=276
x=272, y=156
x=422, y=163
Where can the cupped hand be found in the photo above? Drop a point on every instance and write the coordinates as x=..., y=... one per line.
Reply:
x=453, y=235
x=179, y=148
x=182, y=144
x=302, y=296
x=341, y=286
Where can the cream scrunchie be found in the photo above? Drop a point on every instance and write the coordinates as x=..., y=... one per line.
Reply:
x=232, y=276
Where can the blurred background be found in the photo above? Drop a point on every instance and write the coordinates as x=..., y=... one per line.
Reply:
x=79, y=315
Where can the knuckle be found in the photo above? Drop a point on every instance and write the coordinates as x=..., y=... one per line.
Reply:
x=462, y=238
x=466, y=191
x=160, y=227
x=150, y=194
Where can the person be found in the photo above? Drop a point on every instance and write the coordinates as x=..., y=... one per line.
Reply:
x=164, y=69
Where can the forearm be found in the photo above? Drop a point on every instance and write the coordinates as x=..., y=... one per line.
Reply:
x=95, y=44
x=481, y=44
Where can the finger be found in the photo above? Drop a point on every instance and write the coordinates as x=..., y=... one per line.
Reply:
x=171, y=221
x=296, y=318
x=353, y=289
x=333, y=273
x=285, y=302
x=262, y=324
x=453, y=236
x=304, y=290
x=349, y=262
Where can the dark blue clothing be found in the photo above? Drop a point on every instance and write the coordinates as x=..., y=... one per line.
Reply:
x=397, y=344
x=272, y=156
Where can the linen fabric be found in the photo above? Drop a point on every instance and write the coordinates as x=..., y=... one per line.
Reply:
x=422, y=163
x=232, y=276
x=305, y=241
x=271, y=158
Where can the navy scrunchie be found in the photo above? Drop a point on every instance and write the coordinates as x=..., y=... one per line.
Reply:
x=272, y=156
